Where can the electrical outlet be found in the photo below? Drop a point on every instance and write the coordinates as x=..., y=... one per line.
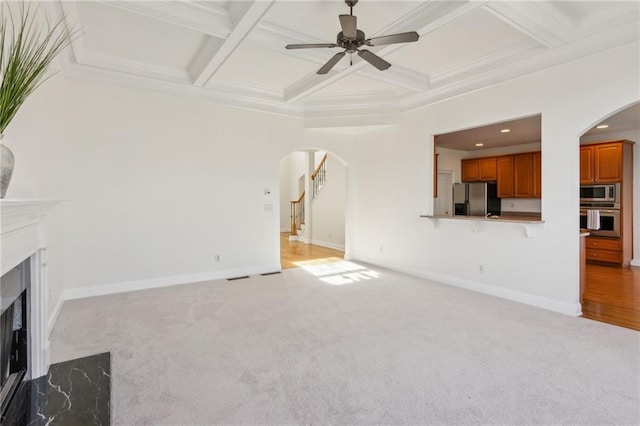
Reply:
x=381, y=248
x=217, y=258
x=481, y=268
x=330, y=234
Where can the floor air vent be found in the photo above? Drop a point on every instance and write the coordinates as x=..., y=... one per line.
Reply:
x=238, y=278
x=270, y=273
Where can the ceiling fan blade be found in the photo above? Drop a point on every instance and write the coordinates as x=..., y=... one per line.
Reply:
x=393, y=39
x=309, y=46
x=374, y=59
x=331, y=63
x=349, y=26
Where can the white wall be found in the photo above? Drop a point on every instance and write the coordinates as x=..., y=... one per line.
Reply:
x=395, y=184
x=156, y=185
x=292, y=167
x=632, y=135
x=35, y=136
x=329, y=207
x=450, y=159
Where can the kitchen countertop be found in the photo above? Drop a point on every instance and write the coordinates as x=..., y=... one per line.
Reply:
x=584, y=232
x=516, y=217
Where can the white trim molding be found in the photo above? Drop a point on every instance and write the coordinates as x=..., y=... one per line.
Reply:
x=566, y=308
x=553, y=39
x=635, y=262
x=124, y=287
x=22, y=236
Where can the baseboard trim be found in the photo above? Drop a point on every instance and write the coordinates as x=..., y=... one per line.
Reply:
x=635, y=262
x=285, y=229
x=328, y=245
x=123, y=287
x=572, y=309
x=53, y=318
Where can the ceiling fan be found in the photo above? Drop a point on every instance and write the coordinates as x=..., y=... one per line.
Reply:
x=351, y=39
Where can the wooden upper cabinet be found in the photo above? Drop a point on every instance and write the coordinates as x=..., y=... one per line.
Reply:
x=518, y=175
x=488, y=169
x=479, y=169
x=470, y=170
x=601, y=163
x=537, y=175
x=504, y=167
x=607, y=163
x=523, y=175
x=586, y=164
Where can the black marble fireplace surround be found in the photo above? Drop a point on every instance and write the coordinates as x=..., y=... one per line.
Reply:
x=76, y=392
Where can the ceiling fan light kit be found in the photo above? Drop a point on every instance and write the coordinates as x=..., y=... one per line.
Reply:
x=351, y=39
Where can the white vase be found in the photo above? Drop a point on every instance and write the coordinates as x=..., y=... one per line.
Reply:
x=6, y=167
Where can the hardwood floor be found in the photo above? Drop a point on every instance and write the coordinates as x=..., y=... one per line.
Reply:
x=612, y=295
x=295, y=251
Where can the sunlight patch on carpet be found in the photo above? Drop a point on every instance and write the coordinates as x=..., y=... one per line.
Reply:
x=336, y=271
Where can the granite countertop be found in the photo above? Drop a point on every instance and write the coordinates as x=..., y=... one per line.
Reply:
x=518, y=217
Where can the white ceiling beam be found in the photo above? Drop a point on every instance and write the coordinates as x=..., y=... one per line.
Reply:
x=205, y=18
x=245, y=21
x=425, y=19
x=540, y=20
x=219, y=22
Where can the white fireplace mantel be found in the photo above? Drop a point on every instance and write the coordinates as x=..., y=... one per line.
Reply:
x=21, y=230
x=22, y=236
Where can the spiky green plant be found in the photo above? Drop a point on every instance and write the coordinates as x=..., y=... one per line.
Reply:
x=27, y=49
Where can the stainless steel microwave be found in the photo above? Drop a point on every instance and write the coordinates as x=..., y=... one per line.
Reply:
x=609, y=193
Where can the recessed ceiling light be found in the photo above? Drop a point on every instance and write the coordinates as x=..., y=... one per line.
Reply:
x=479, y=144
x=505, y=130
x=602, y=126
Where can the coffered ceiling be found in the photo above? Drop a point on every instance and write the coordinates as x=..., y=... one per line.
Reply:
x=233, y=52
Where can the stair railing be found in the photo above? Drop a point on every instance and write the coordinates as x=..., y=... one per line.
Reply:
x=297, y=214
x=319, y=177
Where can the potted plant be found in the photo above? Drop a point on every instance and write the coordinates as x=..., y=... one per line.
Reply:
x=26, y=51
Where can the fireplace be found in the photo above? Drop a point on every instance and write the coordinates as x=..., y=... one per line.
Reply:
x=24, y=338
x=14, y=331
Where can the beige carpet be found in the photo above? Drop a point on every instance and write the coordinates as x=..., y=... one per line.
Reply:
x=350, y=346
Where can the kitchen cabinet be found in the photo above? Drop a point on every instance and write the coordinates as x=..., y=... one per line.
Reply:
x=517, y=176
x=523, y=175
x=470, y=170
x=611, y=162
x=601, y=163
x=603, y=250
x=537, y=174
x=479, y=170
x=505, y=177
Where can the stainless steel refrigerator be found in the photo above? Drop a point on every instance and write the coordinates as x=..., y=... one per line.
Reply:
x=476, y=199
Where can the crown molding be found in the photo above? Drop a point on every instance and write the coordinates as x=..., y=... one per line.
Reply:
x=205, y=18
x=503, y=57
x=528, y=64
x=540, y=20
x=223, y=93
x=590, y=35
x=129, y=66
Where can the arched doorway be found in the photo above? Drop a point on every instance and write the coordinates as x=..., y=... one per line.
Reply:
x=610, y=162
x=313, y=203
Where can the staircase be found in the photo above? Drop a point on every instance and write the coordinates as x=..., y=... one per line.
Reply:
x=318, y=179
